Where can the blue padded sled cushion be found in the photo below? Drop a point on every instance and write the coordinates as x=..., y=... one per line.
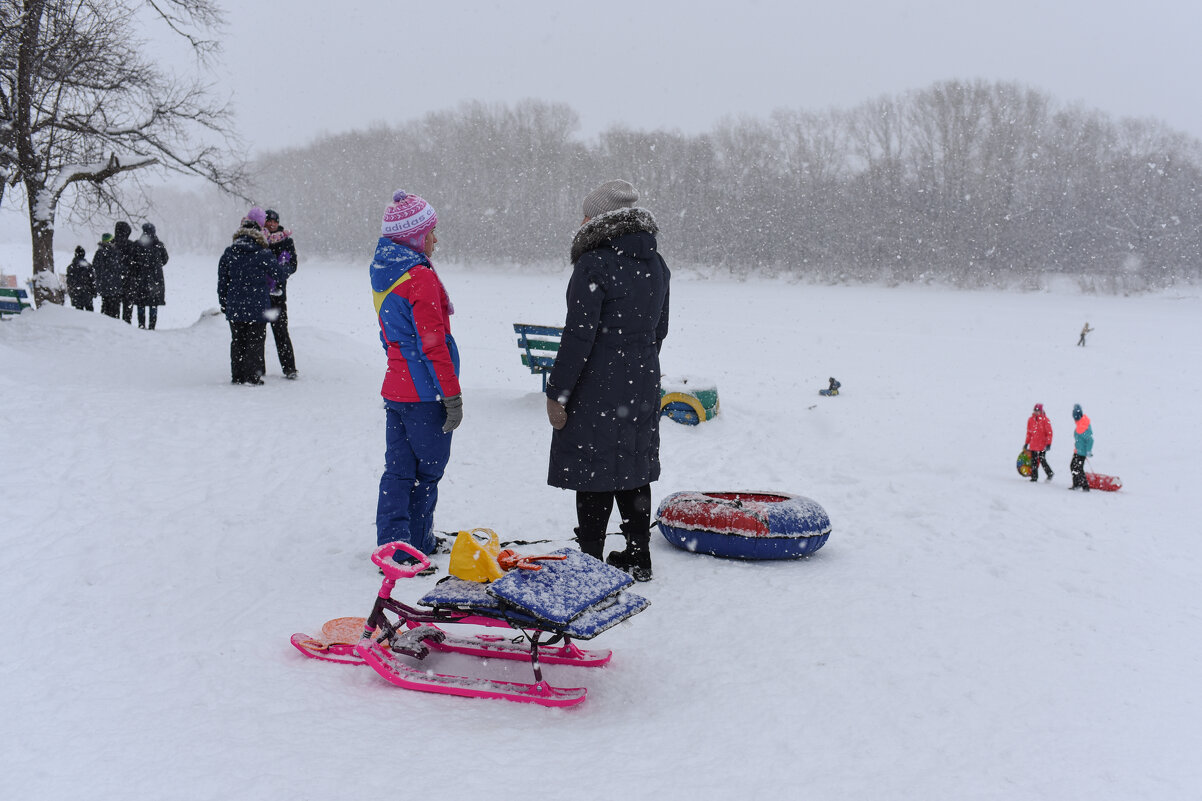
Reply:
x=561, y=591
x=457, y=592
x=605, y=615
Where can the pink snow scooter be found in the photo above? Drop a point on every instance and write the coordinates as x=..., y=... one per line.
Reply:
x=550, y=600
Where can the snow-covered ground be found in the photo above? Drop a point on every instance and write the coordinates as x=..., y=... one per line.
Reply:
x=963, y=635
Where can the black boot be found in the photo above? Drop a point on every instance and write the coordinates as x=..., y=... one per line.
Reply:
x=635, y=558
x=637, y=564
x=591, y=544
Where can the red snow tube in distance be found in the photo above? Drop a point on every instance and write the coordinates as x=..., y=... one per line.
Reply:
x=744, y=524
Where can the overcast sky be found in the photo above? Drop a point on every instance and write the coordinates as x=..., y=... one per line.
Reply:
x=300, y=68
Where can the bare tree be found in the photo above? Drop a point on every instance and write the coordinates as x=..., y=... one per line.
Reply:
x=80, y=104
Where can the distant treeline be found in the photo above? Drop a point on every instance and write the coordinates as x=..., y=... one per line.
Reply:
x=971, y=182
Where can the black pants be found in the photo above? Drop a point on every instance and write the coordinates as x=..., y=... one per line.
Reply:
x=1078, y=470
x=592, y=515
x=110, y=306
x=246, y=352
x=1038, y=458
x=279, y=332
x=154, y=316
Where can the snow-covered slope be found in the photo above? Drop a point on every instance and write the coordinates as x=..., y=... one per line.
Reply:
x=964, y=634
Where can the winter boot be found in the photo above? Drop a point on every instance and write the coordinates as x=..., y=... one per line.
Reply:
x=635, y=559
x=638, y=564
x=591, y=543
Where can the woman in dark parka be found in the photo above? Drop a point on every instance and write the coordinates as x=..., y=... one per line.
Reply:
x=603, y=393
x=110, y=276
x=81, y=282
x=245, y=274
x=148, y=288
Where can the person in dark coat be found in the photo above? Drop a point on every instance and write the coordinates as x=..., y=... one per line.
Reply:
x=281, y=244
x=148, y=288
x=124, y=249
x=81, y=282
x=110, y=278
x=244, y=277
x=603, y=392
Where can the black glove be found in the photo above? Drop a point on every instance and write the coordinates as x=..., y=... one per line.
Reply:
x=454, y=407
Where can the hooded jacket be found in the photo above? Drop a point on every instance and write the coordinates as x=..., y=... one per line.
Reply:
x=81, y=281
x=110, y=271
x=124, y=247
x=147, y=256
x=1039, y=432
x=607, y=372
x=244, y=275
x=1083, y=437
x=413, y=312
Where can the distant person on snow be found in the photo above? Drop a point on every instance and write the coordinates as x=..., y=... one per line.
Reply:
x=147, y=286
x=423, y=403
x=1082, y=448
x=603, y=392
x=1039, y=441
x=110, y=276
x=1084, y=331
x=81, y=282
x=281, y=244
x=124, y=247
x=244, y=278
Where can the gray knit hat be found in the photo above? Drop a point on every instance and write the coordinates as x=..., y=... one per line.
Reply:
x=611, y=195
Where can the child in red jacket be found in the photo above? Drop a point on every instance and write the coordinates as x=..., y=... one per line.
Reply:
x=1039, y=441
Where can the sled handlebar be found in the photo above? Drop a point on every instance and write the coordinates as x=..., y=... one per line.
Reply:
x=394, y=571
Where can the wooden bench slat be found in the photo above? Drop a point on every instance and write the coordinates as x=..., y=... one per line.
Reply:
x=539, y=344
x=544, y=330
x=541, y=363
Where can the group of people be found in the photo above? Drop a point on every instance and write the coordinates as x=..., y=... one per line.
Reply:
x=125, y=273
x=252, y=288
x=602, y=396
x=1039, y=442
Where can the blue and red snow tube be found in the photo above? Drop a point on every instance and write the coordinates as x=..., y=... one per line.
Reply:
x=744, y=525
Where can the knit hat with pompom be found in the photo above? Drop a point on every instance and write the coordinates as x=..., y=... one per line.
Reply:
x=408, y=219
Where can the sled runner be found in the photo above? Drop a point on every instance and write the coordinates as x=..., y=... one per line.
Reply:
x=547, y=602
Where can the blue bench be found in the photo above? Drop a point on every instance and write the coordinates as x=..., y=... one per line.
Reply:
x=537, y=341
x=12, y=301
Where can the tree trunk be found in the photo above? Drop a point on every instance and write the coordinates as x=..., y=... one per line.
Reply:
x=47, y=288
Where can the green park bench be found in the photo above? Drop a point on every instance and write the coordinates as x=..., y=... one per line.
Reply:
x=538, y=341
x=12, y=301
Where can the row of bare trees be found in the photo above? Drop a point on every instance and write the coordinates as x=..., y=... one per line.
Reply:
x=81, y=104
x=975, y=182
x=979, y=183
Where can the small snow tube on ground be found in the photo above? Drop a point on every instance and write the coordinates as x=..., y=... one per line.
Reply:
x=689, y=401
x=744, y=525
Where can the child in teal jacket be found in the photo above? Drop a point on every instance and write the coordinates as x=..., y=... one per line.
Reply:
x=1082, y=448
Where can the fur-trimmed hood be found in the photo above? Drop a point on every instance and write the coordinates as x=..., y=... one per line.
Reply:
x=253, y=234
x=611, y=225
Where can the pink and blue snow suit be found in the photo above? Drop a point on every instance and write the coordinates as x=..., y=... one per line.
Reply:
x=413, y=311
